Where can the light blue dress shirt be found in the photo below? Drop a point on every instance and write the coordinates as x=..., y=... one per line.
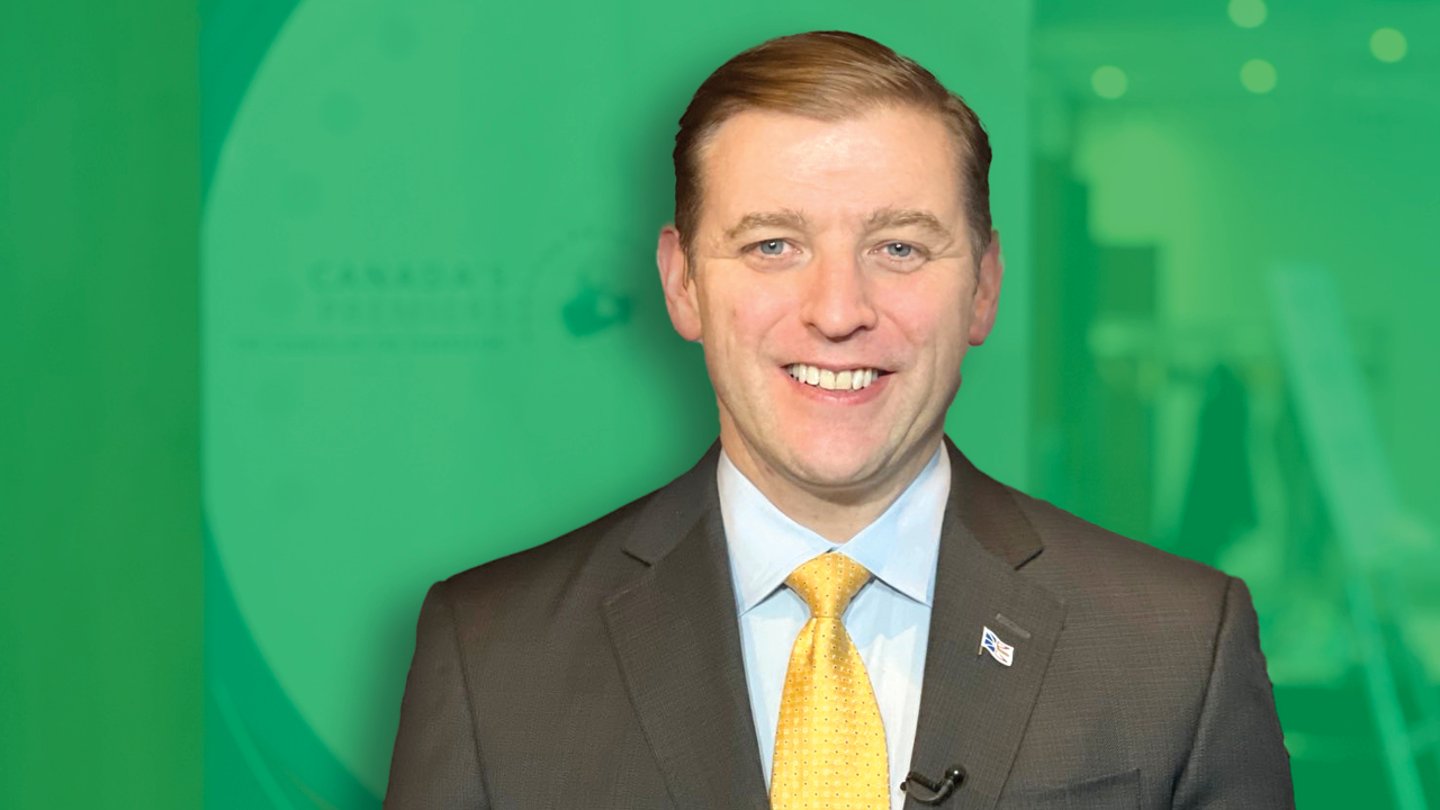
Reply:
x=889, y=619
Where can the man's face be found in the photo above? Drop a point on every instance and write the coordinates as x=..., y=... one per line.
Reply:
x=835, y=291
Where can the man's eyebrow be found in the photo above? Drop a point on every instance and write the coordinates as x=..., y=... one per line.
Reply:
x=784, y=218
x=880, y=219
x=902, y=217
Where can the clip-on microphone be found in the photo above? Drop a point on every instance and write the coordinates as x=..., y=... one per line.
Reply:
x=938, y=791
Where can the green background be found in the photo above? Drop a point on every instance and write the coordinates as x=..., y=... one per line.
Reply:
x=307, y=305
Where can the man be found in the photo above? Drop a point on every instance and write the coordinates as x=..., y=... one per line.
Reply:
x=833, y=598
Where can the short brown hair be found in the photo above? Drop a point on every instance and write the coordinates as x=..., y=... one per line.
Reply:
x=829, y=76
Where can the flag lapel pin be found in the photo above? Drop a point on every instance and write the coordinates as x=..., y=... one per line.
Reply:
x=999, y=650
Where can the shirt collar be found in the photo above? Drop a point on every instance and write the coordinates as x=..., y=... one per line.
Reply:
x=899, y=547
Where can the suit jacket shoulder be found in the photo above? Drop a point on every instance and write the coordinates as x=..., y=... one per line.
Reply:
x=599, y=669
x=1126, y=585
x=578, y=567
x=1155, y=683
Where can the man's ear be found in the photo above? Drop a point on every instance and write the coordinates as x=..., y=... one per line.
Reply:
x=987, y=292
x=680, y=291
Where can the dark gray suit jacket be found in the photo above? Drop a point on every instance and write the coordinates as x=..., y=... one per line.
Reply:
x=603, y=670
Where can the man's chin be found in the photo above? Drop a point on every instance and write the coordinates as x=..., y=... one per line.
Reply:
x=836, y=473
x=827, y=464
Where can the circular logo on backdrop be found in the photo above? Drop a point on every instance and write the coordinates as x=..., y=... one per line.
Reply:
x=433, y=335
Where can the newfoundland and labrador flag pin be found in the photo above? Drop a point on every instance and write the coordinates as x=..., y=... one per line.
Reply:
x=998, y=649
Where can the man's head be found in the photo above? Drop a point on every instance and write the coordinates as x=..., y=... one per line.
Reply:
x=830, y=261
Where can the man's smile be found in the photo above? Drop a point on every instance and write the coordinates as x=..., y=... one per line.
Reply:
x=853, y=385
x=850, y=379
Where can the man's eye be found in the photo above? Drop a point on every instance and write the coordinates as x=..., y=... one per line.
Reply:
x=899, y=250
x=771, y=247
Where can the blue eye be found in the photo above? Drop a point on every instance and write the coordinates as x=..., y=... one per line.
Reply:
x=899, y=250
x=772, y=247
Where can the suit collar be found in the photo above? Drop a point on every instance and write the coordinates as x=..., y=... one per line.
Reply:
x=676, y=638
x=988, y=511
x=677, y=642
x=973, y=709
x=675, y=509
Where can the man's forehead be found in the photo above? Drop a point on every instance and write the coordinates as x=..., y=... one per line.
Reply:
x=737, y=131
x=762, y=167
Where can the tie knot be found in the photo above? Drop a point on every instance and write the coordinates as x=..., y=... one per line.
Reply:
x=828, y=583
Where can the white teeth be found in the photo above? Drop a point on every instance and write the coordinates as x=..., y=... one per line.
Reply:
x=848, y=380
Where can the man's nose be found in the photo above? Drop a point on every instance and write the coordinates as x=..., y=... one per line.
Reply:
x=838, y=296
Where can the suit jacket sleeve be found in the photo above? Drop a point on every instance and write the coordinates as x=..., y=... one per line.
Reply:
x=436, y=764
x=1238, y=757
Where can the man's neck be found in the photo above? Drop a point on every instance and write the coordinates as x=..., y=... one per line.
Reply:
x=835, y=513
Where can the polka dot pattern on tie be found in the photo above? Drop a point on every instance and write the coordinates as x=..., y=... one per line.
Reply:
x=830, y=749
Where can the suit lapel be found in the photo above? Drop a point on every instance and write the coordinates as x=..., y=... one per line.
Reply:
x=677, y=641
x=973, y=709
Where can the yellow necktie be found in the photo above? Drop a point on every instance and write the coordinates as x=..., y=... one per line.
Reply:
x=830, y=747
